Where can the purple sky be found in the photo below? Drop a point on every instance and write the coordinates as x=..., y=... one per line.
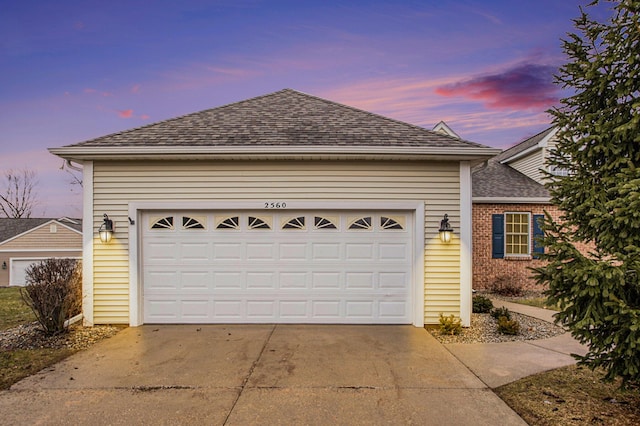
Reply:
x=75, y=70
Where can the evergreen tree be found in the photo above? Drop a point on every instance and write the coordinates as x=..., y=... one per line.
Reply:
x=599, y=147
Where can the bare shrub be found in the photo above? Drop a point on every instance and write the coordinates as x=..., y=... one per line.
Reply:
x=506, y=285
x=54, y=292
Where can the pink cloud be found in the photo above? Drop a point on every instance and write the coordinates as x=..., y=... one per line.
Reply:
x=525, y=86
x=135, y=88
x=126, y=113
x=91, y=91
x=145, y=117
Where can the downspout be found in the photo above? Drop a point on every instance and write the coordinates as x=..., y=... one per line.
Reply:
x=71, y=166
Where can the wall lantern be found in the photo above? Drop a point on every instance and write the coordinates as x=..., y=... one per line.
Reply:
x=446, y=231
x=106, y=229
x=4, y=265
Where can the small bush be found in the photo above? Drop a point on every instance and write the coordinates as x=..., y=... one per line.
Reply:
x=450, y=325
x=482, y=305
x=501, y=312
x=507, y=326
x=505, y=285
x=53, y=292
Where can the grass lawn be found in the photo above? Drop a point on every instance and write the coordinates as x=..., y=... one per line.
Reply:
x=571, y=396
x=18, y=364
x=13, y=311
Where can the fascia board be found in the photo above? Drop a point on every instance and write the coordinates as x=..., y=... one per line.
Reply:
x=540, y=145
x=509, y=200
x=272, y=152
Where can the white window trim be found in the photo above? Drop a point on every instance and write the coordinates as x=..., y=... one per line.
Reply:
x=530, y=232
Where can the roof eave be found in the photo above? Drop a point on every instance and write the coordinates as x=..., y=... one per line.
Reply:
x=81, y=153
x=511, y=200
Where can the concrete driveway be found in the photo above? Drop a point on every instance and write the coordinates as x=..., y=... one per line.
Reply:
x=258, y=374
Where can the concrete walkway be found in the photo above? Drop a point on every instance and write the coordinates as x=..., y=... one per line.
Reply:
x=497, y=364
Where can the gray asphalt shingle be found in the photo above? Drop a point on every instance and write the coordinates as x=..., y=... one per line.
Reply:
x=494, y=180
x=10, y=227
x=283, y=118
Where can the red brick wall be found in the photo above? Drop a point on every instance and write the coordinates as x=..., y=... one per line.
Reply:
x=487, y=270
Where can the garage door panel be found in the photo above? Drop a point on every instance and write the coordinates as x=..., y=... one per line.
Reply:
x=305, y=267
x=362, y=309
x=227, y=280
x=393, y=252
x=360, y=280
x=293, y=252
x=360, y=251
x=260, y=280
x=227, y=251
x=195, y=280
x=325, y=280
x=194, y=252
x=162, y=280
x=325, y=251
x=294, y=280
x=393, y=280
x=161, y=252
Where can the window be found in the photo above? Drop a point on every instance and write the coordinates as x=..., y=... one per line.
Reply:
x=162, y=223
x=321, y=222
x=294, y=223
x=257, y=223
x=192, y=222
x=361, y=223
x=517, y=234
x=232, y=222
x=390, y=223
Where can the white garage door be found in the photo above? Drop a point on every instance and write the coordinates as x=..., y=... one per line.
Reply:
x=18, y=271
x=276, y=267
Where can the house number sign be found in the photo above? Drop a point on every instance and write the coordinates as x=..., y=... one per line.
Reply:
x=275, y=205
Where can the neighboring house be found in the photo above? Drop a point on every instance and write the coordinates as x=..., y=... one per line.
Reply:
x=508, y=198
x=27, y=241
x=285, y=208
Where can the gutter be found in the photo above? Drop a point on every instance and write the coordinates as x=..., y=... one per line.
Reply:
x=511, y=200
x=76, y=153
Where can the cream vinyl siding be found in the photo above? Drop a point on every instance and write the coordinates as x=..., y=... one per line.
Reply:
x=116, y=184
x=42, y=238
x=530, y=165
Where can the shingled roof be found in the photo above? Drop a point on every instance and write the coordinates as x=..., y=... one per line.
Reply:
x=279, y=120
x=524, y=145
x=493, y=180
x=11, y=227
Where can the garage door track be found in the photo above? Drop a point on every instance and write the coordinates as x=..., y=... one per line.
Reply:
x=258, y=374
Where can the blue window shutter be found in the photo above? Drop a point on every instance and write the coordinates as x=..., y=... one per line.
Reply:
x=497, y=240
x=537, y=235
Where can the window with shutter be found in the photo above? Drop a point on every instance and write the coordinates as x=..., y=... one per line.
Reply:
x=497, y=240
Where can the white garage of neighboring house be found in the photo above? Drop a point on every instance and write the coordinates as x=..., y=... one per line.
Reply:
x=285, y=208
x=25, y=241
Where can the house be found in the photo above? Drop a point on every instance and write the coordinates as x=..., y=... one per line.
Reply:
x=24, y=242
x=284, y=208
x=508, y=199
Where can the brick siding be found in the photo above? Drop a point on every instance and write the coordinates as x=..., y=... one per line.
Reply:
x=486, y=270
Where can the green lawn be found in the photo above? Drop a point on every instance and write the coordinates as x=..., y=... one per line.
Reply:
x=13, y=310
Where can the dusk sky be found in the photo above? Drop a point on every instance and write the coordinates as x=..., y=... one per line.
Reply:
x=76, y=70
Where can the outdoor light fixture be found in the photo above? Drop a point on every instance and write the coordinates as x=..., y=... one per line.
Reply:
x=446, y=231
x=4, y=265
x=106, y=229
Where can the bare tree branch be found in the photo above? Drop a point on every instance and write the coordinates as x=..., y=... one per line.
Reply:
x=19, y=196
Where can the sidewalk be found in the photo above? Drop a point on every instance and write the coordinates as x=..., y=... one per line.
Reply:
x=497, y=364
